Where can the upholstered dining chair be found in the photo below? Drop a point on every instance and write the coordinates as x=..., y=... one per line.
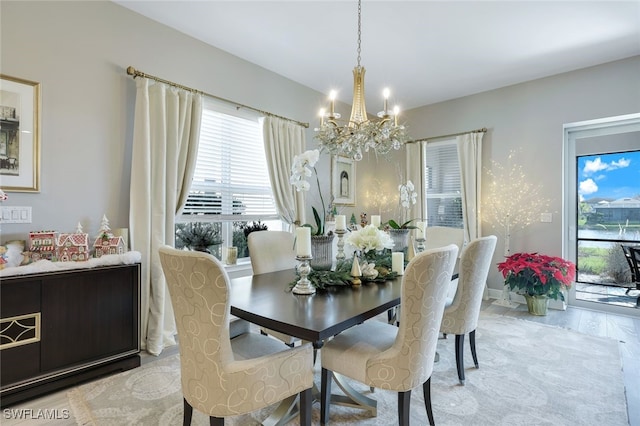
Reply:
x=461, y=313
x=400, y=358
x=440, y=236
x=220, y=376
x=271, y=251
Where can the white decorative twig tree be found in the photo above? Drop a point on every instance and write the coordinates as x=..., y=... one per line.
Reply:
x=512, y=203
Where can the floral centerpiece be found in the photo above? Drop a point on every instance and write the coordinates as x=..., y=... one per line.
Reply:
x=371, y=242
x=537, y=275
x=369, y=239
x=375, y=265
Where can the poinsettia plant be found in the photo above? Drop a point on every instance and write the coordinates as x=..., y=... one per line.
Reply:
x=536, y=274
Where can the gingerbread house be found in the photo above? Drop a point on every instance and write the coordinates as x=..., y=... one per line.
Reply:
x=42, y=245
x=73, y=247
x=108, y=244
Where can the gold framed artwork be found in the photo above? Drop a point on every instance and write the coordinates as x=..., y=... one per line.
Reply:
x=19, y=135
x=343, y=181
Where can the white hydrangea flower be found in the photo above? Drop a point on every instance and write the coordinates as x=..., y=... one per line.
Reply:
x=369, y=238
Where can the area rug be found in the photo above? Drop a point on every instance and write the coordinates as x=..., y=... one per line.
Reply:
x=530, y=374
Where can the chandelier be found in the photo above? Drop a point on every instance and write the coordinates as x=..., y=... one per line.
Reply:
x=360, y=134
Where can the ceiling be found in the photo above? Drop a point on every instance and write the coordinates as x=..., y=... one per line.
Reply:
x=424, y=51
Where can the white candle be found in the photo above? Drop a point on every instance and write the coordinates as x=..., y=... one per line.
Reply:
x=385, y=94
x=303, y=243
x=397, y=262
x=341, y=222
x=332, y=97
x=375, y=220
x=420, y=230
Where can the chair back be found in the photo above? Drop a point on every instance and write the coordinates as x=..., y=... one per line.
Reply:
x=461, y=316
x=632, y=254
x=271, y=251
x=199, y=289
x=424, y=290
x=440, y=236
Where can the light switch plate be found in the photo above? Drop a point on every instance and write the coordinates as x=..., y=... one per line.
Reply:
x=15, y=214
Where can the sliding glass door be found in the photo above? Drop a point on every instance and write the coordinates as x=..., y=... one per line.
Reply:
x=602, y=210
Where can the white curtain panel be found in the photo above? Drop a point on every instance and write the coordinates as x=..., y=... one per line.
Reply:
x=415, y=170
x=283, y=140
x=470, y=157
x=165, y=146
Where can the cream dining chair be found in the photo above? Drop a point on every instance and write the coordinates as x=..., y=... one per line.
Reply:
x=461, y=313
x=399, y=358
x=224, y=377
x=271, y=251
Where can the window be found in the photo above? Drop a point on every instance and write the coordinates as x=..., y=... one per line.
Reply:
x=230, y=186
x=443, y=201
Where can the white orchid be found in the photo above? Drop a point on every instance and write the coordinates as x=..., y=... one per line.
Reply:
x=369, y=238
x=302, y=168
x=408, y=195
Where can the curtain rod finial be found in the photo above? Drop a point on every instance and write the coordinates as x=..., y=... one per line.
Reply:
x=131, y=70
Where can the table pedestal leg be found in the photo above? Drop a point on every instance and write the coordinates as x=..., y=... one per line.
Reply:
x=353, y=398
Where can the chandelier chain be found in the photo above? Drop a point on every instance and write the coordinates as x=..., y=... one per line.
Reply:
x=359, y=30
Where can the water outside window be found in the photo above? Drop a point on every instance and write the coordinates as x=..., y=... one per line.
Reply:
x=608, y=216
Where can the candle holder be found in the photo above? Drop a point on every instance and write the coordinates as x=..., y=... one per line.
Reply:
x=420, y=247
x=303, y=286
x=340, y=256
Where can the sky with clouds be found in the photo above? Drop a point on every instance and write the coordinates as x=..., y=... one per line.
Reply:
x=611, y=176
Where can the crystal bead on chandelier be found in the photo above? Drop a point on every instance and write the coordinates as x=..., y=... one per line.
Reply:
x=360, y=134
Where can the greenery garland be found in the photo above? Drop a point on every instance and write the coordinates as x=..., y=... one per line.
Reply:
x=341, y=276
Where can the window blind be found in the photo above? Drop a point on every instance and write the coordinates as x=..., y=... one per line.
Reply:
x=230, y=177
x=442, y=184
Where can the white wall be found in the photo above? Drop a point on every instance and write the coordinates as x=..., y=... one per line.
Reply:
x=79, y=52
x=528, y=118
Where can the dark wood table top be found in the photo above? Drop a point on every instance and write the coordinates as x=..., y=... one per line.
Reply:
x=266, y=300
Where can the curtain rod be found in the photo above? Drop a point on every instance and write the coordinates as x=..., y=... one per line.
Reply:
x=483, y=130
x=135, y=73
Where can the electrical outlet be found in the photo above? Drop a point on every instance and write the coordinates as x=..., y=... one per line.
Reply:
x=546, y=217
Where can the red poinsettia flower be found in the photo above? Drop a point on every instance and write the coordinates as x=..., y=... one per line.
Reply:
x=537, y=274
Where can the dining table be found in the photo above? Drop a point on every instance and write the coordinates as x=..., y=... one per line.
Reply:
x=267, y=301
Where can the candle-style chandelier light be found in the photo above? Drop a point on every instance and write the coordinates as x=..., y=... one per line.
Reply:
x=360, y=134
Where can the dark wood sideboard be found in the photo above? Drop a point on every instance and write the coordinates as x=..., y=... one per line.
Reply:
x=59, y=329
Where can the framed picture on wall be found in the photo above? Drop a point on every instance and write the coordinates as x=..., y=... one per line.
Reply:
x=19, y=135
x=343, y=181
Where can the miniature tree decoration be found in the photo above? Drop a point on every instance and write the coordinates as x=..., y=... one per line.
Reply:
x=105, y=230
